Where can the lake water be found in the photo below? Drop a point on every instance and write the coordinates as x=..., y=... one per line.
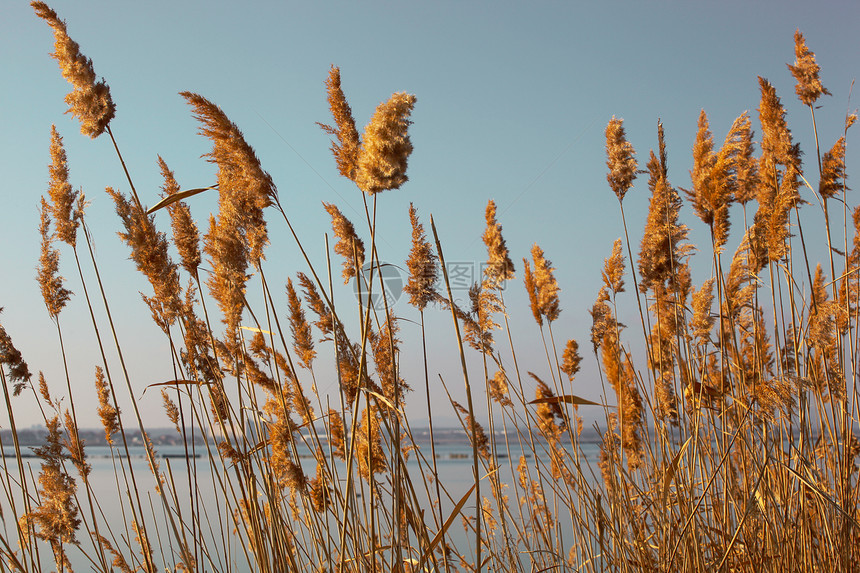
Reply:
x=453, y=462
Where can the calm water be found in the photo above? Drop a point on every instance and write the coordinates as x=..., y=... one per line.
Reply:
x=453, y=461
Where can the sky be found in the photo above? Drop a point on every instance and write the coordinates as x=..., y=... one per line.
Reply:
x=512, y=102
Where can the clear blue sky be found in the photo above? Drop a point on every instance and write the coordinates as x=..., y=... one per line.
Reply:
x=513, y=99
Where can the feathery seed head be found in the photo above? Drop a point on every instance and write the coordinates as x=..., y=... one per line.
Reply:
x=386, y=146
x=244, y=188
x=19, y=372
x=805, y=72
x=185, y=234
x=348, y=245
x=60, y=191
x=497, y=388
x=620, y=159
x=108, y=413
x=546, y=285
x=303, y=342
x=571, y=359
x=499, y=265
x=89, y=101
x=347, y=147
x=776, y=139
x=325, y=322
x=54, y=293
x=422, y=264
x=149, y=251
x=833, y=170
x=613, y=269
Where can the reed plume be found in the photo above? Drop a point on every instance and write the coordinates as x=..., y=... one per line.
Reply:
x=474, y=430
x=778, y=189
x=54, y=293
x=497, y=388
x=368, y=447
x=89, y=101
x=108, y=413
x=186, y=237
x=303, y=342
x=620, y=159
x=324, y=322
x=386, y=146
x=18, y=371
x=499, y=265
x=423, y=266
x=348, y=245
x=336, y=431
x=746, y=166
x=57, y=513
x=833, y=170
x=377, y=160
x=546, y=285
x=571, y=359
x=702, y=321
x=171, y=409
x=613, y=269
x=531, y=289
x=805, y=72
x=713, y=187
x=385, y=346
x=662, y=248
x=348, y=145
x=548, y=410
x=244, y=188
x=75, y=446
x=150, y=252
x=478, y=323
x=60, y=192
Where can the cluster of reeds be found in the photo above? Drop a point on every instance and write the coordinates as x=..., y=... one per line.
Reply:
x=732, y=446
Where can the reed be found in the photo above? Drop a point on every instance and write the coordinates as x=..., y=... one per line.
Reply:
x=728, y=433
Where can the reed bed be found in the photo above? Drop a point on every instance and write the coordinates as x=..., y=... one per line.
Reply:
x=729, y=439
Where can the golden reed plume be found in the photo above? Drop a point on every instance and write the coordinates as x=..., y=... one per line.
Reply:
x=499, y=265
x=377, y=161
x=54, y=293
x=805, y=71
x=348, y=245
x=89, y=100
x=620, y=158
x=186, y=236
x=60, y=191
x=422, y=264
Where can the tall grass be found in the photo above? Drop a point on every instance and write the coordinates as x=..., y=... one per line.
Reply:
x=732, y=446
